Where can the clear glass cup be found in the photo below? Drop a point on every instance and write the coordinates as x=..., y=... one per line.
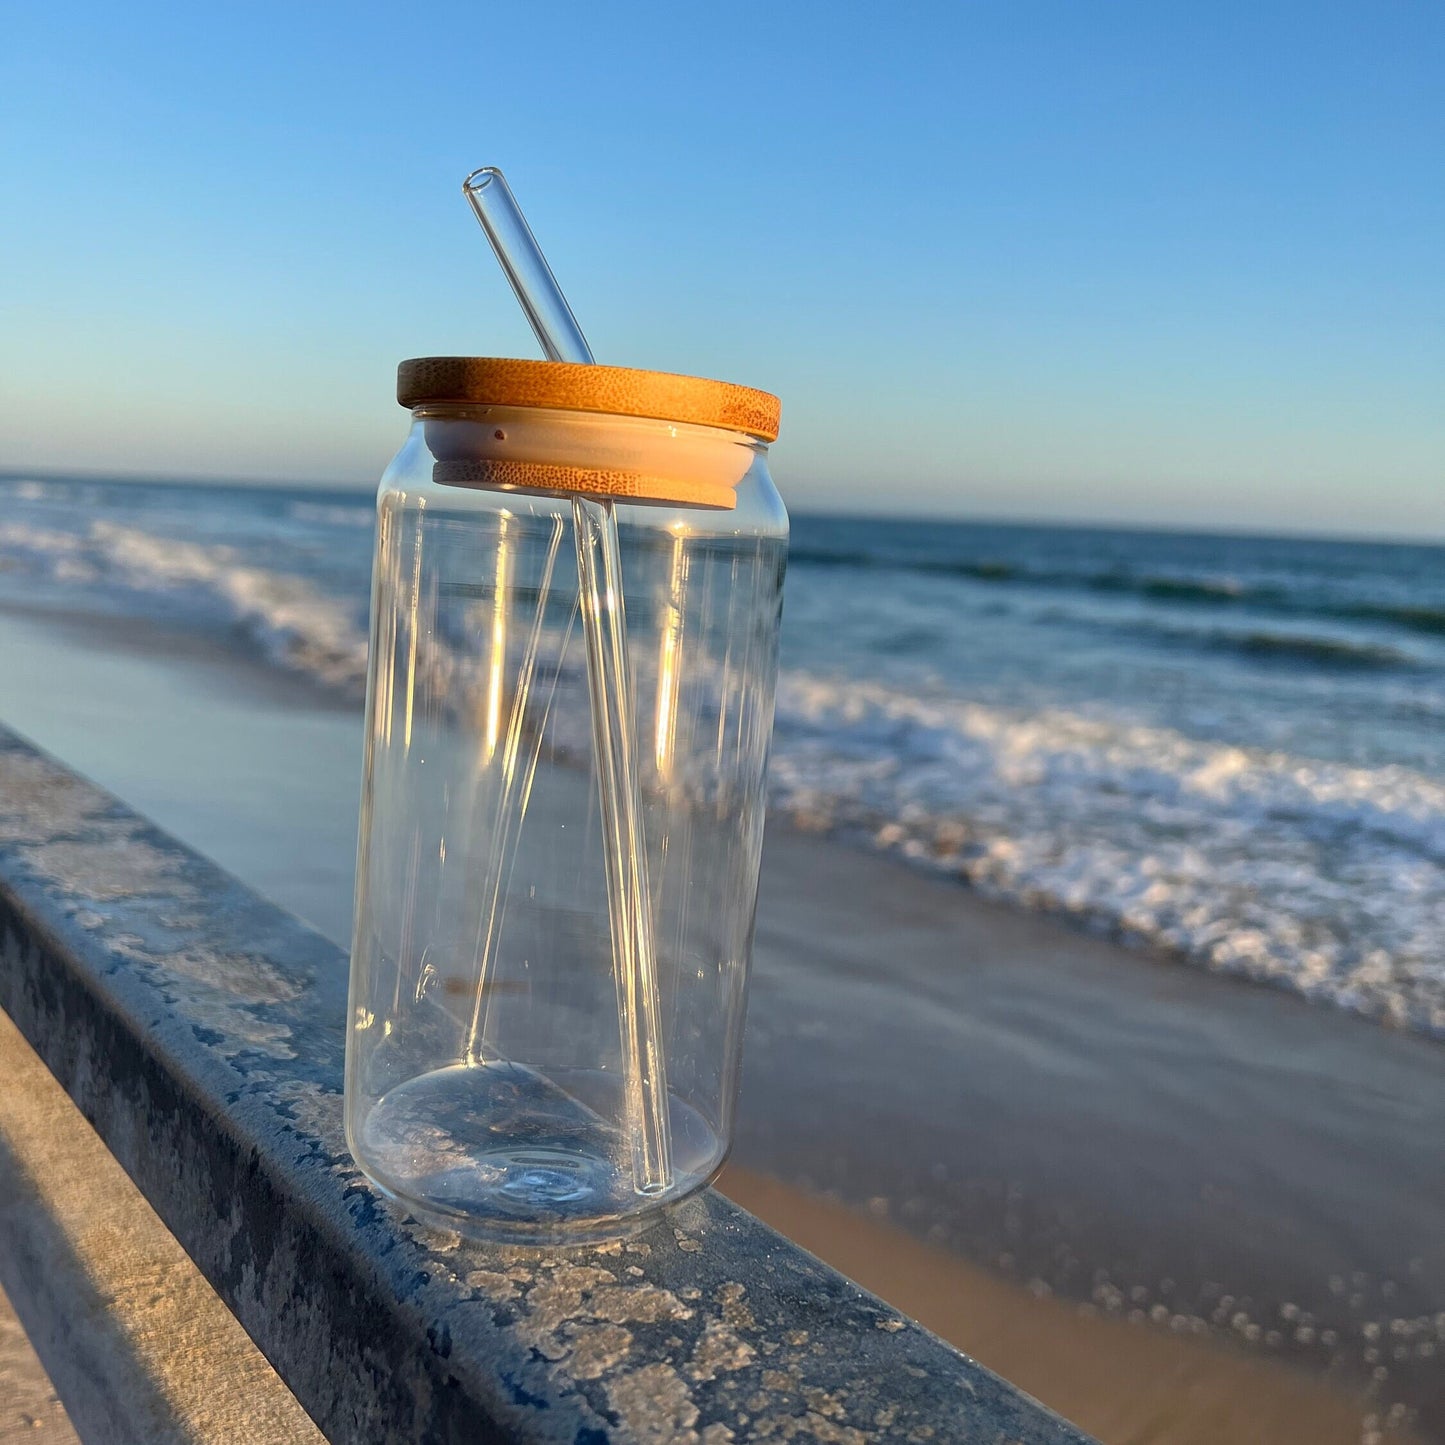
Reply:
x=487, y=1071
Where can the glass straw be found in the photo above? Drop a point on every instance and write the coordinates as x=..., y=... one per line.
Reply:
x=609, y=676
x=526, y=267
x=519, y=769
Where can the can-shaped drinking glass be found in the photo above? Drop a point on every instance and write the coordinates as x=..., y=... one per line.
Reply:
x=574, y=632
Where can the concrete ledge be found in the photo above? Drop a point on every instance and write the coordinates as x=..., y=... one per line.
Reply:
x=199, y=1029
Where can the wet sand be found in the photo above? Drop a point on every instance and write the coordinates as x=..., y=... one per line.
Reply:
x=984, y=1115
x=1169, y=1146
x=1120, y=1382
x=257, y=768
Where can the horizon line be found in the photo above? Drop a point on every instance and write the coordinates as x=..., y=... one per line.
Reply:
x=358, y=489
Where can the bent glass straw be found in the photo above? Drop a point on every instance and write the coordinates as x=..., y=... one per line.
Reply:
x=609, y=676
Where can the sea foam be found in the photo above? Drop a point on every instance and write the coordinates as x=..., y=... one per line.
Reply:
x=1323, y=878
x=291, y=621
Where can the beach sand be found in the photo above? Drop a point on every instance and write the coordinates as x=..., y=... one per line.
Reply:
x=1164, y=1144
x=1176, y=1207
x=1120, y=1382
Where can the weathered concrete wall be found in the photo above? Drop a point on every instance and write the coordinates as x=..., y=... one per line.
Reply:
x=199, y=1028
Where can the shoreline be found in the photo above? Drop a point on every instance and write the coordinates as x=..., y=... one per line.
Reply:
x=1058, y=1119
x=1103, y=928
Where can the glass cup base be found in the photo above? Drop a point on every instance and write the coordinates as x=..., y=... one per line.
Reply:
x=500, y=1152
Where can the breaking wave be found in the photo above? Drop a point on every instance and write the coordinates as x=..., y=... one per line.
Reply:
x=1325, y=879
x=286, y=617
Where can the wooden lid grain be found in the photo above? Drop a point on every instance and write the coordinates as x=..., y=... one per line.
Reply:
x=616, y=390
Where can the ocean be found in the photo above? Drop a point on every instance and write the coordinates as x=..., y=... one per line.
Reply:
x=1227, y=749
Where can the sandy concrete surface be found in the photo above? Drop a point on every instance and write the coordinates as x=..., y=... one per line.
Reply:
x=30, y=1410
x=138, y=1345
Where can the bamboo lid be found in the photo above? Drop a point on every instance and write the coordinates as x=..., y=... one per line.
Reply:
x=567, y=386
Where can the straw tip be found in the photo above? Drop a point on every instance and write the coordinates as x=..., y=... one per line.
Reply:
x=481, y=178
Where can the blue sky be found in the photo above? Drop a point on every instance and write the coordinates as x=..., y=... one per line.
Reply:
x=1153, y=262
